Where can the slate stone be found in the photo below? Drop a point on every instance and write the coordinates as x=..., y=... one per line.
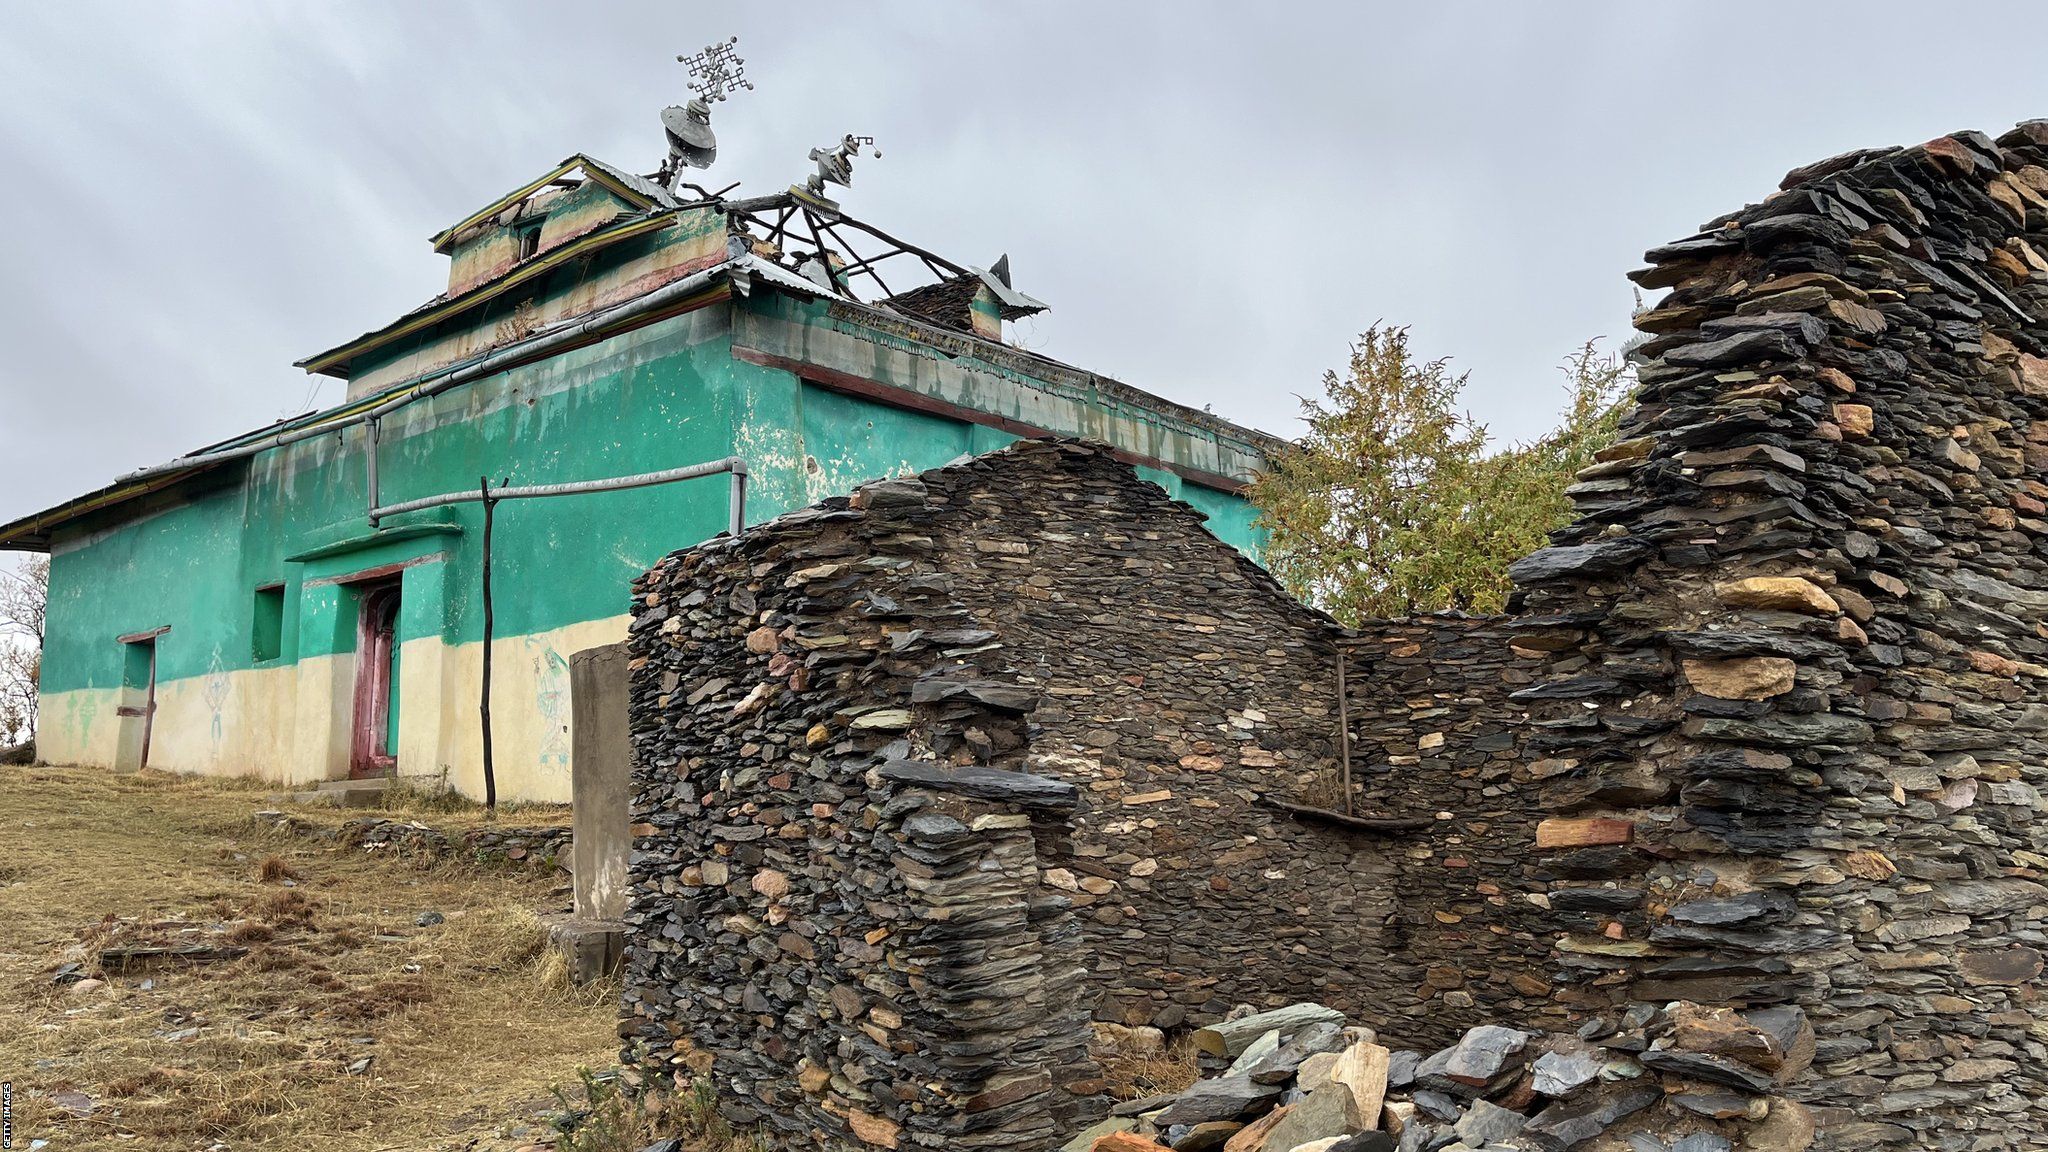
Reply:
x=1206, y=1137
x=1482, y=1054
x=1583, y=560
x=1421, y=1137
x=1702, y=1066
x=1804, y=327
x=1438, y=1105
x=1223, y=1098
x=1280, y=1065
x=1561, y=1072
x=1401, y=1066
x=1746, y=908
x=1328, y=1111
x=1005, y=697
x=982, y=783
x=1565, y=1124
x=1740, y=348
x=1714, y=1105
x=1484, y=1123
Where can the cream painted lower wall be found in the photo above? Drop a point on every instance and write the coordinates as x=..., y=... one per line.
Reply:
x=530, y=721
x=291, y=724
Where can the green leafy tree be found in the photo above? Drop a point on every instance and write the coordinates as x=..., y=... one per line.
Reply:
x=1395, y=503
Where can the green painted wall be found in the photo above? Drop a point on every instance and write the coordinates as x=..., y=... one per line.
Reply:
x=659, y=397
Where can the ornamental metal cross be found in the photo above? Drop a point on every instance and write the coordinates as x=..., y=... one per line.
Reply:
x=716, y=71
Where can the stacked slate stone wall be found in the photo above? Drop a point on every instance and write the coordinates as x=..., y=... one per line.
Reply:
x=1767, y=727
x=1036, y=632
x=838, y=913
x=1438, y=732
x=1181, y=690
x=1804, y=602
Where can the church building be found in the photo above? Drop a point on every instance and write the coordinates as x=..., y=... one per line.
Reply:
x=313, y=601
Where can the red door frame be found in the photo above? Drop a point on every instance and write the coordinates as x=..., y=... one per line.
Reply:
x=376, y=636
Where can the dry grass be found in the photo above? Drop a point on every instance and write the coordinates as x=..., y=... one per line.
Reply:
x=451, y=809
x=608, y=1120
x=1134, y=1071
x=467, y=1025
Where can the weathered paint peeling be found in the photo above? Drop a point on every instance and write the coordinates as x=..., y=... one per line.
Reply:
x=670, y=393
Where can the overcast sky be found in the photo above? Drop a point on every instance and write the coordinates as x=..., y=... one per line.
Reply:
x=1213, y=197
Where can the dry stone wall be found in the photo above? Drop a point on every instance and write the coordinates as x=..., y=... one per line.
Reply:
x=1439, y=725
x=924, y=776
x=1766, y=729
x=1181, y=690
x=840, y=926
x=1802, y=611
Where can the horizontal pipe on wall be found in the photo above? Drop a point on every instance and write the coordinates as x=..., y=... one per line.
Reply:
x=734, y=465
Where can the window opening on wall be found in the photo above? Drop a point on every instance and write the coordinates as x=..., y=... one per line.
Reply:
x=527, y=236
x=267, y=628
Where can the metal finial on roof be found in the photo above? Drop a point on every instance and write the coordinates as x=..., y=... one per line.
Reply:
x=714, y=74
x=835, y=166
x=716, y=71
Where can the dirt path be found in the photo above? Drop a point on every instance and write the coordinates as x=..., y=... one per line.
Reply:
x=335, y=1013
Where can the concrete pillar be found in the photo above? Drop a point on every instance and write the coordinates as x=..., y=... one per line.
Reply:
x=323, y=702
x=600, y=773
x=425, y=713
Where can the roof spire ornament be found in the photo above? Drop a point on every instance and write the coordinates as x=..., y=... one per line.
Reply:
x=835, y=166
x=715, y=73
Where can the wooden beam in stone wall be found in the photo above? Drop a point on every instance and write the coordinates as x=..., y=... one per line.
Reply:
x=1559, y=832
x=1379, y=824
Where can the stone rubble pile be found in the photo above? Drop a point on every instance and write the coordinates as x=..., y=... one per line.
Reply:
x=1683, y=1078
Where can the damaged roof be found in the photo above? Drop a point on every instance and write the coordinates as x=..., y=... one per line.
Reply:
x=765, y=234
x=638, y=191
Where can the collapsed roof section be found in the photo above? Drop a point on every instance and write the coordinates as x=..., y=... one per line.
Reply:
x=588, y=250
x=510, y=248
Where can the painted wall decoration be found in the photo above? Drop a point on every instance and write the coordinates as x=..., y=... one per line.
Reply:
x=551, y=703
x=218, y=687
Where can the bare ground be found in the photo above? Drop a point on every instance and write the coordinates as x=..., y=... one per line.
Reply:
x=326, y=1018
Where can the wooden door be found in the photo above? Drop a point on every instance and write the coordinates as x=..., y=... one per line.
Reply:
x=137, y=712
x=372, y=744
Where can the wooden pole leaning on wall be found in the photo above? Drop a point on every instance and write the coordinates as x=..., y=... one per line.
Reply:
x=484, y=708
x=492, y=497
x=1344, y=728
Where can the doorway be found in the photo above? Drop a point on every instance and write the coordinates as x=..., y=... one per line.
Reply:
x=137, y=710
x=373, y=745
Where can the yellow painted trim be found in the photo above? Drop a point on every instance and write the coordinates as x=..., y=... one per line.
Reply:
x=532, y=268
x=579, y=160
x=84, y=504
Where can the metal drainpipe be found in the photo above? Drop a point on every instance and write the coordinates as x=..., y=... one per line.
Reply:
x=370, y=432
x=733, y=464
x=738, y=500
